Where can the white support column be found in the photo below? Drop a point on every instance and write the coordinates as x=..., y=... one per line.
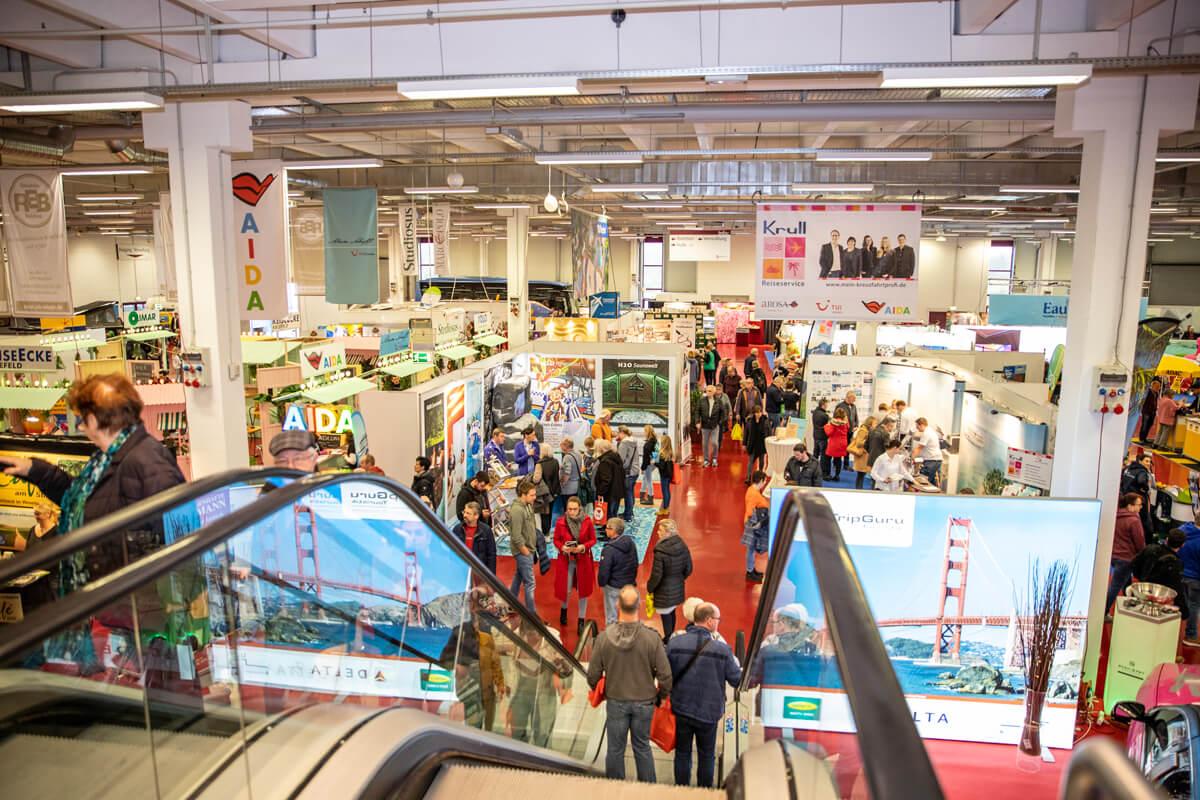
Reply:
x=1120, y=130
x=198, y=138
x=485, y=247
x=866, y=337
x=518, y=276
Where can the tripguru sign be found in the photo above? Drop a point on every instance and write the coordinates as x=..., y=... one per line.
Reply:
x=258, y=221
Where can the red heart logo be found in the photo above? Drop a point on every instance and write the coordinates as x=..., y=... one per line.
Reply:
x=874, y=306
x=314, y=359
x=249, y=189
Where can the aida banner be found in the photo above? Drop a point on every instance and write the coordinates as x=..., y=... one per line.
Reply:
x=35, y=234
x=258, y=226
x=837, y=262
x=947, y=578
x=440, y=228
x=351, y=246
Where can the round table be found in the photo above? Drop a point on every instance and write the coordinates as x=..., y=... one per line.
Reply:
x=778, y=452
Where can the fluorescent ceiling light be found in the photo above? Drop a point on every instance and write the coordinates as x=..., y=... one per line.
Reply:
x=938, y=219
x=466, y=224
x=970, y=208
x=1188, y=220
x=1164, y=210
x=441, y=190
x=1041, y=188
x=89, y=101
x=832, y=187
x=1185, y=157
x=502, y=205
x=632, y=188
x=488, y=87
x=968, y=77
x=723, y=213
x=113, y=213
x=647, y=206
x=717, y=80
x=1053, y=220
x=874, y=155
x=116, y=233
x=1159, y=241
x=101, y=198
x=107, y=171
x=604, y=157
x=334, y=163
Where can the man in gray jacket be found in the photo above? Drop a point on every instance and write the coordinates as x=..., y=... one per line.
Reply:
x=568, y=478
x=628, y=450
x=522, y=540
x=637, y=676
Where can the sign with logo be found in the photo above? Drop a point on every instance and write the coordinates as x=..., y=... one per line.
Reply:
x=952, y=642
x=806, y=267
x=394, y=341
x=1034, y=310
x=1029, y=468
x=409, y=244
x=307, y=254
x=605, y=305
x=321, y=358
x=482, y=322
x=440, y=228
x=351, y=246
x=320, y=419
x=28, y=359
x=258, y=225
x=699, y=246
x=141, y=317
x=35, y=235
x=436, y=680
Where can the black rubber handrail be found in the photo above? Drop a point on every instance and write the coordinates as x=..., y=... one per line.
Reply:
x=894, y=757
x=129, y=518
x=1100, y=770
x=15, y=640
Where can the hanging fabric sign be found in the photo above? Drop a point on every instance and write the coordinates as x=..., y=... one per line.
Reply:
x=408, y=240
x=589, y=254
x=441, y=239
x=307, y=229
x=35, y=233
x=258, y=203
x=351, y=249
x=164, y=248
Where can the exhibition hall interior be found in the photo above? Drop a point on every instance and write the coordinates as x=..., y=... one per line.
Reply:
x=728, y=398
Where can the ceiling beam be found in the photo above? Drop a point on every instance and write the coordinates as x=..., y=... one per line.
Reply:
x=889, y=139
x=642, y=136
x=295, y=42
x=79, y=53
x=974, y=16
x=706, y=135
x=134, y=14
x=823, y=137
x=1107, y=15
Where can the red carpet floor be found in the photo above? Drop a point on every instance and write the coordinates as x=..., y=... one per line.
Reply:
x=708, y=505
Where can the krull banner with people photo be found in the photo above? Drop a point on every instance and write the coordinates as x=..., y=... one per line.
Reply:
x=837, y=262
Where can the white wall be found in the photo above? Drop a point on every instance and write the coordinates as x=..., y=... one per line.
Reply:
x=96, y=274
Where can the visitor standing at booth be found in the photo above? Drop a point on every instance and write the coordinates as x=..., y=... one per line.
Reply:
x=422, y=483
x=649, y=456
x=927, y=446
x=820, y=418
x=837, y=434
x=609, y=480
x=602, y=427
x=627, y=449
x=574, y=538
x=570, y=476
x=1149, y=410
x=494, y=449
x=1128, y=540
x=528, y=452
x=858, y=449
x=851, y=408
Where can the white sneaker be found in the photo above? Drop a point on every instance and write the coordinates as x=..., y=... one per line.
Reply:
x=706, y=463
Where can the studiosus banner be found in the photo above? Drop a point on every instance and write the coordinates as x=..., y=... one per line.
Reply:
x=839, y=262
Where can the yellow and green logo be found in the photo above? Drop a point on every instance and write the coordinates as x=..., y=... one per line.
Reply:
x=808, y=708
x=436, y=680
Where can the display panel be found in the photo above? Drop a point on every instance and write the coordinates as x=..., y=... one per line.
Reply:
x=958, y=663
x=637, y=391
x=564, y=397
x=983, y=449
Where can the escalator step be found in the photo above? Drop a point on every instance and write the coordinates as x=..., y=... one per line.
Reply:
x=462, y=782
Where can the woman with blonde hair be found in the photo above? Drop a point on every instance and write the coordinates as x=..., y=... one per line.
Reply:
x=666, y=470
x=858, y=449
x=885, y=262
x=649, y=446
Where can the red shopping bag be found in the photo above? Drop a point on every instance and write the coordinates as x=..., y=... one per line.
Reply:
x=596, y=695
x=600, y=513
x=662, y=726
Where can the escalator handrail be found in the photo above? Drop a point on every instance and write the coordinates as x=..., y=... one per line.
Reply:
x=894, y=758
x=128, y=518
x=48, y=620
x=1099, y=768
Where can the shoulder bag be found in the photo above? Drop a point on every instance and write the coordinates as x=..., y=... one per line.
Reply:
x=662, y=724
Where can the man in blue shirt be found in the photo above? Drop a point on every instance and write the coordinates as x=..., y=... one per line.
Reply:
x=527, y=452
x=495, y=449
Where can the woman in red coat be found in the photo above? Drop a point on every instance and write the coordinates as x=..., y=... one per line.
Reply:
x=838, y=431
x=574, y=538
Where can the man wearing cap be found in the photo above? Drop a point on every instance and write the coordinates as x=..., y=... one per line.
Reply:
x=295, y=450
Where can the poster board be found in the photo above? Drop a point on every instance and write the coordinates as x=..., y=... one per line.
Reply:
x=1029, y=468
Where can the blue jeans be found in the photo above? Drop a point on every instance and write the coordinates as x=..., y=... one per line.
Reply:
x=930, y=469
x=630, y=488
x=776, y=419
x=705, y=734
x=1192, y=587
x=749, y=558
x=524, y=577
x=1119, y=573
x=627, y=720
x=710, y=443
x=666, y=492
x=611, y=595
x=556, y=511
x=648, y=481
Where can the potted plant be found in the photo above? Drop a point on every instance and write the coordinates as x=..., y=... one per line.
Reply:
x=1039, y=617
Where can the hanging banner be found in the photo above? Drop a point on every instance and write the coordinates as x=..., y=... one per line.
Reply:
x=408, y=240
x=441, y=238
x=164, y=248
x=35, y=233
x=306, y=226
x=258, y=204
x=351, y=253
x=588, y=256
x=807, y=268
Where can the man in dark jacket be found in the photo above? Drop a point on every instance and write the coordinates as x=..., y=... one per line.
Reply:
x=904, y=259
x=1189, y=554
x=701, y=667
x=830, y=259
x=1161, y=564
x=820, y=418
x=775, y=401
x=1128, y=540
x=631, y=659
x=877, y=442
x=1149, y=410
x=422, y=484
x=1139, y=478
x=672, y=566
x=609, y=478
x=474, y=491
x=802, y=469
x=712, y=415
x=751, y=362
x=477, y=535
x=618, y=566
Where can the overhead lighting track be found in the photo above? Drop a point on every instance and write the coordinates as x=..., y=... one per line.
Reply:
x=472, y=88
x=1001, y=76
x=85, y=101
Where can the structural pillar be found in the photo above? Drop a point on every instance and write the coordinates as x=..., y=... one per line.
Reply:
x=518, y=276
x=866, y=337
x=1120, y=120
x=198, y=138
x=485, y=246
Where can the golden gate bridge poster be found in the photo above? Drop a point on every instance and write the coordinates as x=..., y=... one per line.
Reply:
x=944, y=576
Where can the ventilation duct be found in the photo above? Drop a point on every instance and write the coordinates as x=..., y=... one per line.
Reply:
x=55, y=143
x=125, y=151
